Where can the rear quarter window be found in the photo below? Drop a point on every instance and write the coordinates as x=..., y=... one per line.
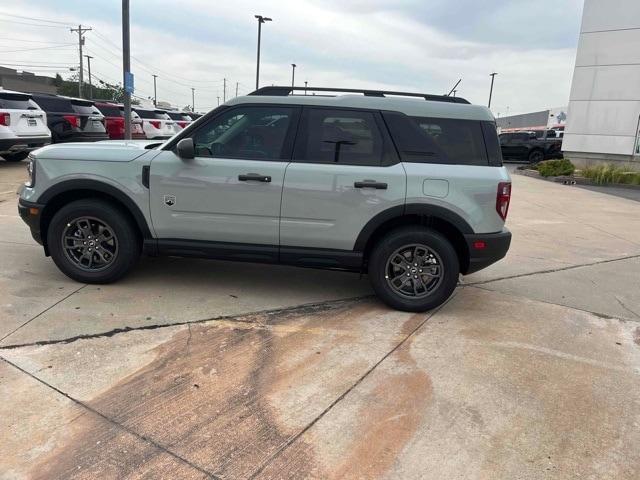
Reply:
x=438, y=140
x=85, y=109
x=54, y=104
x=110, y=110
x=11, y=101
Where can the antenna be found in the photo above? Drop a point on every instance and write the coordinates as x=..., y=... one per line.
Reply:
x=454, y=87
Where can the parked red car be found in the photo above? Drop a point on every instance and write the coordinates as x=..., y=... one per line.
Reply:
x=114, y=121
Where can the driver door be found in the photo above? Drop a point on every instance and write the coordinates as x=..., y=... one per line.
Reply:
x=231, y=191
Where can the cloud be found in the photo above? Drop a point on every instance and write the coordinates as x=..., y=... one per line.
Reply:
x=403, y=45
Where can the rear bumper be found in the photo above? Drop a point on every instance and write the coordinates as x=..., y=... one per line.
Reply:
x=22, y=144
x=30, y=212
x=486, y=249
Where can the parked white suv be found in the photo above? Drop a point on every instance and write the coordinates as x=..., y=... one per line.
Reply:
x=23, y=126
x=156, y=124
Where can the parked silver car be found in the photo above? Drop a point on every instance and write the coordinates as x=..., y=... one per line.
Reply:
x=409, y=188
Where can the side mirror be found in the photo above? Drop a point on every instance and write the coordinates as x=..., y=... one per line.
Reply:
x=185, y=148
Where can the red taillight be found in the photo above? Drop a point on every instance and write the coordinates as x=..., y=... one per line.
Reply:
x=155, y=123
x=182, y=124
x=72, y=120
x=503, y=198
x=5, y=119
x=479, y=245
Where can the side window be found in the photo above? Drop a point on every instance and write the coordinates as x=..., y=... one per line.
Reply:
x=256, y=133
x=348, y=137
x=438, y=140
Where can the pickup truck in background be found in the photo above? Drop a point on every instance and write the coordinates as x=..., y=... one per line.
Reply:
x=531, y=146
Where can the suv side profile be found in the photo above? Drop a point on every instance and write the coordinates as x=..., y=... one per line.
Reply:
x=411, y=191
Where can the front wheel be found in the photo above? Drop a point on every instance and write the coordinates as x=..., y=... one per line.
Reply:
x=92, y=241
x=414, y=269
x=15, y=157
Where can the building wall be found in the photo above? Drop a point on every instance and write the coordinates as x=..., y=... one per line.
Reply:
x=526, y=120
x=604, y=105
x=11, y=79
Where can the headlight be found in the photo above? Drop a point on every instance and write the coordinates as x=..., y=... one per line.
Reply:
x=31, y=171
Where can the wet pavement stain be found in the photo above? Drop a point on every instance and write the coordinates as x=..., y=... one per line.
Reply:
x=227, y=397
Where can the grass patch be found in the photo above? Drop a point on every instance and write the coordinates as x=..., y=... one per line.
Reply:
x=607, y=173
x=555, y=168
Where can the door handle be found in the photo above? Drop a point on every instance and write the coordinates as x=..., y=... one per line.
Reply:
x=254, y=177
x=371, y=184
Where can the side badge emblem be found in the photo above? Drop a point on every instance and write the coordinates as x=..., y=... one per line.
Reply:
x=170, y=200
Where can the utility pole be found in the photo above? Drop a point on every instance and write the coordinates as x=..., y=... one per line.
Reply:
x=261, y=20
x=224, y=90
x=493, y=76
x=218, y=97
x=80, y=31
x=126, y=68
x=89, y=57
x=293, y=75
x=193, y=99
x=237, y=88
x=305, y=87
x=155, y=94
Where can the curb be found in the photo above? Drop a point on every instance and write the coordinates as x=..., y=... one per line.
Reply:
x=569, y=180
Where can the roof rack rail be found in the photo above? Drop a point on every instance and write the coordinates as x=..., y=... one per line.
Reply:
x=280, y=91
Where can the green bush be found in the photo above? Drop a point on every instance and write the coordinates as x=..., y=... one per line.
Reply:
x=607, y=173
x=554, y=168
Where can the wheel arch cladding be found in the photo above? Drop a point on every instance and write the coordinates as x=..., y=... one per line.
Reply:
x=63, y=193
x=447, y=223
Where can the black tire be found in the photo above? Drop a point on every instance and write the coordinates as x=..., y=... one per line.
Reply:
x=407, y=237
x=536, y=156
x=117, y=221
x=15, y=157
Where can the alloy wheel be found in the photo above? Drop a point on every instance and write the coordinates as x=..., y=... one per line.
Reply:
x=414, y=271
x=89, y=243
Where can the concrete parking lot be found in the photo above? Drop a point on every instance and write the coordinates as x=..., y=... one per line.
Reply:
x=206, y=369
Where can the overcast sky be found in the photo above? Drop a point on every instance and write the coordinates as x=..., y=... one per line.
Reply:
x=412, y=45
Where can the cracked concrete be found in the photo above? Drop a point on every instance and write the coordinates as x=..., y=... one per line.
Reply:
x=214, y=370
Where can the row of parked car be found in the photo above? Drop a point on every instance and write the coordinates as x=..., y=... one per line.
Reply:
x=32, y=120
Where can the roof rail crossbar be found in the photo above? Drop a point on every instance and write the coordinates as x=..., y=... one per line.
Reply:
x=282, y=91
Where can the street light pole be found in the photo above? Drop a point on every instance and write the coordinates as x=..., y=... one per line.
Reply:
x=293, y=75
x=126, y=68
x=193, y=99
x=155, y=94
x=493, y=76
x=305, y=87
x=261, y=20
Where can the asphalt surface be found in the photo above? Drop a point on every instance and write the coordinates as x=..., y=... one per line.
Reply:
x=206, y=369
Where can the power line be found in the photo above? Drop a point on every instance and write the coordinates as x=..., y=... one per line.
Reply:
x=154, y=69
x=35, y=19
x=32, y=24
x=32, y=49
x=32, y=41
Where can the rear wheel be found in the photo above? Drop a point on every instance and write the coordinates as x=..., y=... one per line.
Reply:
x=15, y=157
x=414, y=269
x=92, y=241
x=536, y=156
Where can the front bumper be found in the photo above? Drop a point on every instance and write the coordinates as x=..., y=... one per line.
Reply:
x=486, y=249
x=31, y=212
x=22, y=144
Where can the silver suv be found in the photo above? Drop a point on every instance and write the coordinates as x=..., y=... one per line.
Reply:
x=408, y=188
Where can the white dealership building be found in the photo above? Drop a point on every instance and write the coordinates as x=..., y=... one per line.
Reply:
x=604, y=106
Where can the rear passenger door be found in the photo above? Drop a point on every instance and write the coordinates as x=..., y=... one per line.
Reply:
x=344, y=172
